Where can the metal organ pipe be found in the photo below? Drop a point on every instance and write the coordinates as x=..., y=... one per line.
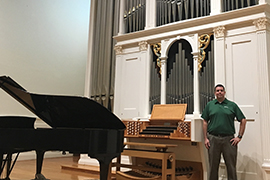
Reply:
x=229, y=5
x=155, y=84
x=169, y=11
x=206, y=77
x=179, y=83
x=134, y=16
x=177, y=77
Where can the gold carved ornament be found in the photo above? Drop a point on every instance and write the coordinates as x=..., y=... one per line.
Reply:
x=157, y=51
x=204, y=41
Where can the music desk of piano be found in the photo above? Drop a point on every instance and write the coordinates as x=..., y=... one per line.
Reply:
x=167, y=126
x=78, y=125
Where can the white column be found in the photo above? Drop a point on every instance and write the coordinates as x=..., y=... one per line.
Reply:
x=215, y=7
x=263, y=46
x=196, y=111
x=219, y=50
x=148, y=75
x=151, y=6
x=163, y=79
x=163, y=61
x=121, y=17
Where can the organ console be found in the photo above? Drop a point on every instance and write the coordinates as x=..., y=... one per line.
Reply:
x=166, y=127
x=78, y=125
x=166, y=122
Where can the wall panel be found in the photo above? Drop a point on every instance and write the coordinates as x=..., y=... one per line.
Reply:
x=242, y=87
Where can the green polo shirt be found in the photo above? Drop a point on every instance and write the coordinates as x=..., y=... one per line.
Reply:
x=220, y=116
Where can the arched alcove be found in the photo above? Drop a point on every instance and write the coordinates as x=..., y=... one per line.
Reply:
x=179, y=80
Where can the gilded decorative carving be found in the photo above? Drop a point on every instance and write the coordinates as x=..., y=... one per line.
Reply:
x=261, y=24
x=157, y=51
x=118, y=50
x=204, y=41
x=143, y=45
x=219, y=31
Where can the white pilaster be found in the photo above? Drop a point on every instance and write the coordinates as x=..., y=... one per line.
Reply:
x=145, y=54
x=118, y=73
x=263, y=39
x=121, y=17
x=219, y=49
x=215, y=7
x=151, y=7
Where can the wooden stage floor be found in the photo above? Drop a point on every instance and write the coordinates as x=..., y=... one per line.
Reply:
x=52, y=169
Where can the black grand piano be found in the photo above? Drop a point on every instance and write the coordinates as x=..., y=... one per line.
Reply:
x=78, y=125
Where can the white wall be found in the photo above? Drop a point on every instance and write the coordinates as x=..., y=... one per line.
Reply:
x=43, y=46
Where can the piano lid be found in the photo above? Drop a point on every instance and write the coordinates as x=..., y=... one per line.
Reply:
x=63, y=111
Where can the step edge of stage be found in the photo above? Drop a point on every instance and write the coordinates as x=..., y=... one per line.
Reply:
x=83, y=168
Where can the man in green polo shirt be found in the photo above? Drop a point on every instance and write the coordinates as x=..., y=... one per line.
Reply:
x=218, y=128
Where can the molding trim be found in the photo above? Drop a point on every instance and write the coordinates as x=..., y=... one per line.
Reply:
x=219, y=31
x=262, y=24
x=266, y=167
x=118, y=50
x=143, y=45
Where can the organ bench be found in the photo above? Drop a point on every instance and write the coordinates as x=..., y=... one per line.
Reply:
x=167, y=161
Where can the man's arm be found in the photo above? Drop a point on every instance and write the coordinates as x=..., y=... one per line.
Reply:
x=206, y=140
x=242, y=128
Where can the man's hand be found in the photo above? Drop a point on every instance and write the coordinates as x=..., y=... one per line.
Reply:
x=207, y=143
x=235, y=141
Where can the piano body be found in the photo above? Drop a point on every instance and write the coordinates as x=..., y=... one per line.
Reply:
x=79, y=125
x=167, y=125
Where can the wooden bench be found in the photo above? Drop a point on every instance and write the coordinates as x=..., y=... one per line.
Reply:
x=160, y=154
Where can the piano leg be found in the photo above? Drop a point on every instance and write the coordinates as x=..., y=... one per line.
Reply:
x=104, y=168
x=8, y=159
x=6, y=163
x=2, y=164
x=104, y=165
x=39, y=162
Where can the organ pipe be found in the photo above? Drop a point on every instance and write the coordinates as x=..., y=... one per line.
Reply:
x=206, y=75
x=134, y=16
x=228, y=5
x=179, y=82
x=169, y=11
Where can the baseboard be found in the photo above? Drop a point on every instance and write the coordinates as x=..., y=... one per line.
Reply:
x=32, y=155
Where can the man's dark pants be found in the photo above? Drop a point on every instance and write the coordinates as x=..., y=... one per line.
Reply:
x=222, y=145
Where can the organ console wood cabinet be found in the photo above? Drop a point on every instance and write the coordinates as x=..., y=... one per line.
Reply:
x=166, y=125
x=167, y=121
